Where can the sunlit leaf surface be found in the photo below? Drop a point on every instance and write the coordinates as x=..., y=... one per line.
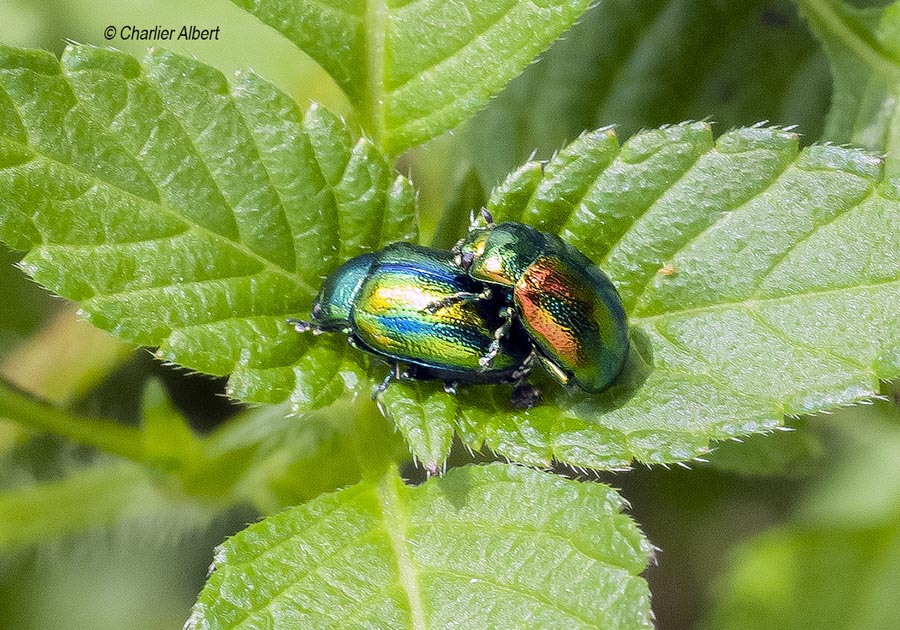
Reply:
x=415, y=69
x=494, y=546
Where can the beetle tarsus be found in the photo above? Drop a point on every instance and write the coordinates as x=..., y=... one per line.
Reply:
x=393, y=373
x=524, y=370
x=450, y=387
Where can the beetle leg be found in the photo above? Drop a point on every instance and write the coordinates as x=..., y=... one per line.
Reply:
x=494, y=349
x=450, y=387
x=554, y=370
x=302, y=326
x=524, y=370
x=393, y=373
x=461, y=296
x=488, y=217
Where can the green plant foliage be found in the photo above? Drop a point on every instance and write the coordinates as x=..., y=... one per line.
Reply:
x=416, y=69
x=793, y=453
x=261, y=458
x=861, y=487
x=425, y=415
x=103, y=495
x=758, y=279
x=644, y=64
x=836, y=564
x=826, y=578
x=492, y=546
x=761, y=281
x=190, y=214
x=274, y=461
x=863, y=46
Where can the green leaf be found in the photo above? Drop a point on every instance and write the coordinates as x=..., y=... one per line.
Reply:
x=795, y=454
x=861, y=487
x=416, y=69
x=760, y=281
x=863, y=46
x=824, y=578
x=424, y=414
x=188, y=213
x=836, y=565
x=168, y=441
x=639, y=65
x=261, y=457
x=493, y=546
x=274, y=460
x=88, y=499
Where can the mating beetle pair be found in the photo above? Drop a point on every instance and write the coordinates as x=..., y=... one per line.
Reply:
x=505, y=295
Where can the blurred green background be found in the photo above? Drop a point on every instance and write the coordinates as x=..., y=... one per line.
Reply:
x=799, y=529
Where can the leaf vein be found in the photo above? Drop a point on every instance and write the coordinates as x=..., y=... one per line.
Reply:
x=279, y=194
x=494, y=526
x=845, y=360
x=643, y=211
x=749, y=304
x=215, y=236
x=475, y=36
x=535, y=596
x=296, y=577
x=396, y=526
x=816, y=228
x=711, y=372
x=723, y=216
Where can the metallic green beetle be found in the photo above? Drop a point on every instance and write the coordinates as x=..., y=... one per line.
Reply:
x=567, y=305
x=411, y=306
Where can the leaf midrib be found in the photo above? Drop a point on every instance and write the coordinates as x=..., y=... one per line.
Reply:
x=749, y=304
x=375, y=24
x=396, y=526
x=163, y=207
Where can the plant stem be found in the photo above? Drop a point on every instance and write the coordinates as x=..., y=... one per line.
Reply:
x=870, y=52
x=105, y=435
x=83, y=500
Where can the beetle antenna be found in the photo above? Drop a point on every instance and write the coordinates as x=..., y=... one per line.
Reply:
x=301, y=326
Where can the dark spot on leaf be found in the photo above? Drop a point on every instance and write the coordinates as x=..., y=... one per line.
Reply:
x=774, y=18
x=727, y=92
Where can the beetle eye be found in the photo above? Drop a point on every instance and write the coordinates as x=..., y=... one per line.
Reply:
x=465, y=260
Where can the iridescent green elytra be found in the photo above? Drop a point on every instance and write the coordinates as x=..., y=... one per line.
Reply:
x=567, y=305
x=411, y=305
